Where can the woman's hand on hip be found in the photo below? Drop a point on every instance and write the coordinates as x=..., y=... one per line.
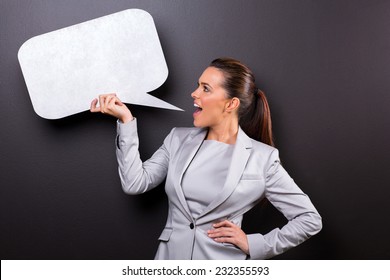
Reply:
x=111, y=105
x=228, y=232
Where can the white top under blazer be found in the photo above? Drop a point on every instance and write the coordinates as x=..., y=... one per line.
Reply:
x=254, y=173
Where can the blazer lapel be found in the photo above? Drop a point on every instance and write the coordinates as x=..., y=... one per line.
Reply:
x=240, y=157
x=188, y=151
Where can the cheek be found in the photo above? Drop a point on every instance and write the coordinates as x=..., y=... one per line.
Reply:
x=213, y=106
x=215, y=112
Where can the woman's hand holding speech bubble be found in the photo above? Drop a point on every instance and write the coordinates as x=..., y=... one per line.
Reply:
x=110, y=104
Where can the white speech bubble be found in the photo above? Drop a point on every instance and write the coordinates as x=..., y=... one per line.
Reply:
x=118, y=53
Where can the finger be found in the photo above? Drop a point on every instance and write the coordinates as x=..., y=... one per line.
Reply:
x=232, y=238
x=118, y=101
x=225, y=223
x=112, y=106
x=228, y=232
x=93, y=106
x=102, y=99
x=112, y=101
x=107, y=100
x=225, y=240
x=219, y=232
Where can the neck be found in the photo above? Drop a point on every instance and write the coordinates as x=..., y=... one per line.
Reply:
x=225, y=132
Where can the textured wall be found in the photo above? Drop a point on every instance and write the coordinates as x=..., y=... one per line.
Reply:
x=325, y=66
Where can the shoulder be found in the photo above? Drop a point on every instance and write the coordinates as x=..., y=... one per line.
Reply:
x=254, y=145
x=267, y=154
x=262, y=147
x=262, y=155
x=266, y=157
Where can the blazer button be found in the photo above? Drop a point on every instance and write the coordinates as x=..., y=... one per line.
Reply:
x=192, y=226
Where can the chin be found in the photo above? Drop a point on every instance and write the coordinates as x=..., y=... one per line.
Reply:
x=197, y=124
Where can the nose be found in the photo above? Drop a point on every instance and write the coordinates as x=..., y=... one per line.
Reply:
x=194, y=94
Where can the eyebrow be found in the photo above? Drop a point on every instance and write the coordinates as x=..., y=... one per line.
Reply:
x=204, y=84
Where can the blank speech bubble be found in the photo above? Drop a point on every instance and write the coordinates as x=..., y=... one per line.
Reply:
x=118, y=53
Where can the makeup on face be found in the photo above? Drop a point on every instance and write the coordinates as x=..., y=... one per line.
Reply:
x=209, y=98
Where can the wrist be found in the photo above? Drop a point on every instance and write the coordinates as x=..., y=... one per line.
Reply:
x=126, y=119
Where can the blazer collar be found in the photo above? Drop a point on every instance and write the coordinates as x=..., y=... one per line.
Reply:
x=187, y=152
x=189, y=149
x=241, y=153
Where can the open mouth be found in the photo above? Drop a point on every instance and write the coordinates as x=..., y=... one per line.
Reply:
x=198, y=109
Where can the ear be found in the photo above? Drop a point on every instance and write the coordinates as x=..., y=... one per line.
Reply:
x=232, y=105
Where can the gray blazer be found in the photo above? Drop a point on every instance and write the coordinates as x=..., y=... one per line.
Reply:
x=255, y=172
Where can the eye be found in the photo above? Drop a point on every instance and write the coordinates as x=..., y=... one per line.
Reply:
x=204, y=87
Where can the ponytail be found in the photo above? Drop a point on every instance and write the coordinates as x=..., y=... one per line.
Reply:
x=256, y=123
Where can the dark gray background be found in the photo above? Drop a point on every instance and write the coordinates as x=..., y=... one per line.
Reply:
x=325, y=66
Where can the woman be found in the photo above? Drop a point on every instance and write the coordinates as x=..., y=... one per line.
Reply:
x=216, y=171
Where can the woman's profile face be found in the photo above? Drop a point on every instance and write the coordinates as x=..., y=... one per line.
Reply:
x=210, y=98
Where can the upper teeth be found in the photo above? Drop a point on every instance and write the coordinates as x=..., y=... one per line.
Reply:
x=196, y=105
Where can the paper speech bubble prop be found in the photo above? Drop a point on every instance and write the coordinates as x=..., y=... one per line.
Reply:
x=118, y=53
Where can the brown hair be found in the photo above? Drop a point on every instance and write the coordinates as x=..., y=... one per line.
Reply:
x=253, y=114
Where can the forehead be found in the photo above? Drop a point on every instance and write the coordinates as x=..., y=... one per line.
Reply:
x=212, y=76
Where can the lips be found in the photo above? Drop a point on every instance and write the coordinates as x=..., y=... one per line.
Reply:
x=198, y=109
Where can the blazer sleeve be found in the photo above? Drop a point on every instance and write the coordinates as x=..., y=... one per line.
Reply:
x=304, y=220
x=137, y=176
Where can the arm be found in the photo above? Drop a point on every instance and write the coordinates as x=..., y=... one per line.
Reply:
x=136, y=177
x=303, y=219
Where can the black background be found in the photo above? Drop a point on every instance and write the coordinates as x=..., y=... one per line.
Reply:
x=324, y=65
